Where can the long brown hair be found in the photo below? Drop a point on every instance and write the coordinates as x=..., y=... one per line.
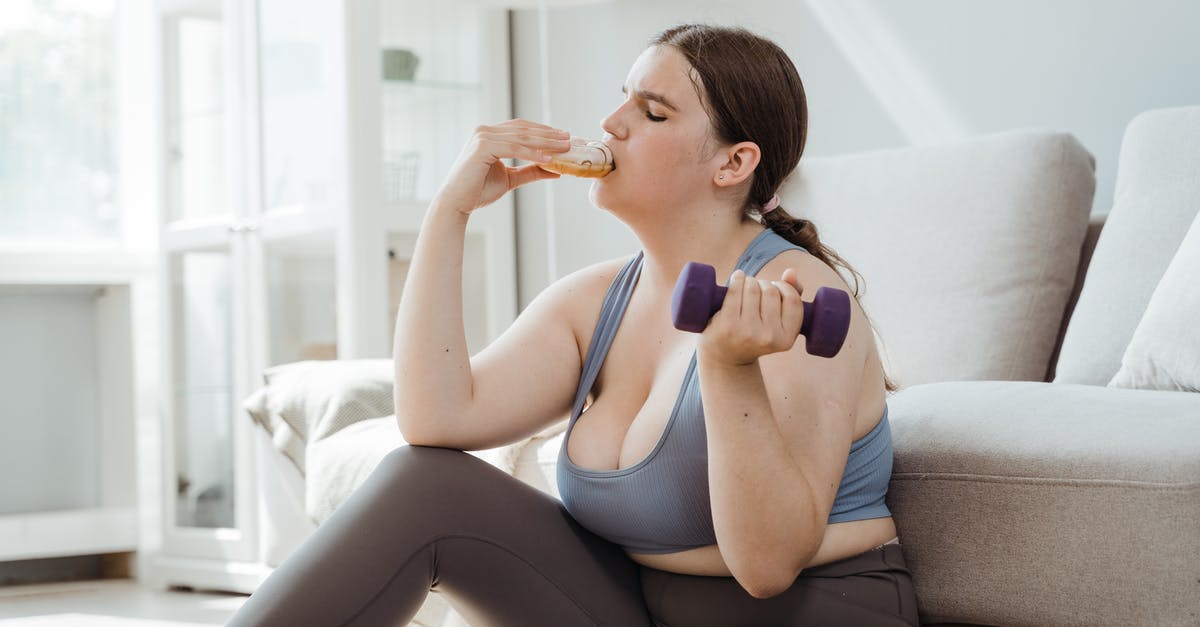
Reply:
x=752, y=92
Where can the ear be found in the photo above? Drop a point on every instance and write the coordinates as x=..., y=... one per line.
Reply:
x=740, y=161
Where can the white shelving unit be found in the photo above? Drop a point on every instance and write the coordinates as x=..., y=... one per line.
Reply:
x=70, y=420
x=297, y=181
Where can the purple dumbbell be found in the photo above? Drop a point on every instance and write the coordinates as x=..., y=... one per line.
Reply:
x=697, y=297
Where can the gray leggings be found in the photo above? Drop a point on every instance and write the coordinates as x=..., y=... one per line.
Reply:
x=504, y=553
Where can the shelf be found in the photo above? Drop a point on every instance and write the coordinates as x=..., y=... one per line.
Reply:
x=66, y=267
x=68, y=532
x=419, y=85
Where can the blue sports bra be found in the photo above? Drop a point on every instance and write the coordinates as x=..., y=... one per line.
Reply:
x=661, y=504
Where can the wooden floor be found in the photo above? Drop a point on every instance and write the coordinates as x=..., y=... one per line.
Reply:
x=125, y=603
x=112, y=603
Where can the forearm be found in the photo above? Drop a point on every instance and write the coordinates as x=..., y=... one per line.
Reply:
x=761, y=500
x=432, y=366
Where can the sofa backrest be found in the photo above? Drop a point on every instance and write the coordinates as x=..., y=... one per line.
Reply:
x=1095, y=225
x=1156, y=198
x=969, y=249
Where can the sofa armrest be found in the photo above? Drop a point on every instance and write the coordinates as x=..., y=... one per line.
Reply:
x=1043, y=503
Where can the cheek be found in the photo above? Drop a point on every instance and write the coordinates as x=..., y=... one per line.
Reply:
x=667, y=159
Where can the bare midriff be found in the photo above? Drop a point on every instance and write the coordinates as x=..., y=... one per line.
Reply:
x=841, y=540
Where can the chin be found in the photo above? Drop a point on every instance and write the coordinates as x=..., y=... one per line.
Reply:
x=599, y=195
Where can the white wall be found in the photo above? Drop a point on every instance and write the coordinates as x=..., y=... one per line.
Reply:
x=878, y=74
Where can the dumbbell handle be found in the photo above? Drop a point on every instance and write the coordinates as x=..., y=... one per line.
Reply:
x=698, y=297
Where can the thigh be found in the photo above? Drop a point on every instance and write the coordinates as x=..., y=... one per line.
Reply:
x=873, y=588
x=500, y=551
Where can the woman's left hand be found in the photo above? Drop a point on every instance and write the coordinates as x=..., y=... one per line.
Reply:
x=757, y=318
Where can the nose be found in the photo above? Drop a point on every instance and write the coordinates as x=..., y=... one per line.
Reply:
x=612, y=124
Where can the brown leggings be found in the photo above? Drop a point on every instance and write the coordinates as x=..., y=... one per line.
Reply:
x=504, y=553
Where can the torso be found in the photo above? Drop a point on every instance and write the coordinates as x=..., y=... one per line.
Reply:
x=636, y=390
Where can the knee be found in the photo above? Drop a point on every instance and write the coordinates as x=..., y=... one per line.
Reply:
x=409, y=455
x=427, y=464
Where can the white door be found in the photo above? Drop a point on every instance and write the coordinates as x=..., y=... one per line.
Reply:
x=208, y=487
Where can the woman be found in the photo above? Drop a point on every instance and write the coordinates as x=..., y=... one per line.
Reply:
x=754, y=495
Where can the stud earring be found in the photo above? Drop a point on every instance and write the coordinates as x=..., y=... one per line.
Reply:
x=721, y=178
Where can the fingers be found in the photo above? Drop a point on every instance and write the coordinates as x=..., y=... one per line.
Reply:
x=526, y=146
x=774, y=306
x=791, y=306
x=521, y=139
x=528, y=174
x=770, y=305
x=733, y=297
x=757, y=317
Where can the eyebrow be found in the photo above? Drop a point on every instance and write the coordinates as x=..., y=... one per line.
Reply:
x=649, y=95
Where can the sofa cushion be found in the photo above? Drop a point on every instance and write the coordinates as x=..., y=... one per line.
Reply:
x=1006, y=492
x=1157, y=195
x=340, y=463
x=1164, y=353
x=334, y=420
x=306, y=401
x=969, y=249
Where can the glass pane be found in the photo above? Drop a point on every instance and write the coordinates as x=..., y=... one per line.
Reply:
x=431, y=92
x=57, y=120
x=298, y=53
x=196, y=120
x=203, y=389
x=302, y=298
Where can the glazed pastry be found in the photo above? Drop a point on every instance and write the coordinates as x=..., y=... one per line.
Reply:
x=587, y=158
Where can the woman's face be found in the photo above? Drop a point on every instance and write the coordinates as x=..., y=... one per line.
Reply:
x=660, y=136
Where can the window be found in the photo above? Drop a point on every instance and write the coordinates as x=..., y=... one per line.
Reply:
x=57, y=120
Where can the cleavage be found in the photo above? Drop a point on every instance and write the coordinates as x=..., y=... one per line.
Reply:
x=623, y=424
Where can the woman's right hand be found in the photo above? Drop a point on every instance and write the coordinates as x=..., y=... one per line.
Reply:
x=479, y=177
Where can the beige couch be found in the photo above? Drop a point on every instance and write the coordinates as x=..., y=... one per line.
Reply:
x=1027, y=490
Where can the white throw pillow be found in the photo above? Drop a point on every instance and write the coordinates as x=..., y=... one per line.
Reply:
x=306, y=401
x=1164, y=353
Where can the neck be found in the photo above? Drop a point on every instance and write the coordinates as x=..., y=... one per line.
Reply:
x=704, y=239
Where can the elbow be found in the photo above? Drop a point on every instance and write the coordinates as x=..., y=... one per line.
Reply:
x=765, y=577
x=764, y=585
x=767, y=573
x=412, y=430
x=423, y=428
x=415, y=432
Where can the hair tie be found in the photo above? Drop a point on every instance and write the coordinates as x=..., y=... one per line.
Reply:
x=771, y=205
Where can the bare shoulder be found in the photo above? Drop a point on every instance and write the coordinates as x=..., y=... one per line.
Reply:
x=813, y=272
x=860, y=355
x=580, y=295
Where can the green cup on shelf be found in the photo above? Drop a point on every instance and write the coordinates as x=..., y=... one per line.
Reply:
x=399, y=64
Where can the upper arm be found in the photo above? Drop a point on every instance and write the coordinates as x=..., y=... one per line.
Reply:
x=814, y=399
x=525, y=379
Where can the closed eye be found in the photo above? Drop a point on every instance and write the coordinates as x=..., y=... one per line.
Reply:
x=654, y=118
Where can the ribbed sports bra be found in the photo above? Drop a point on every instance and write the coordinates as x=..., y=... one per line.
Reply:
x=661, y=504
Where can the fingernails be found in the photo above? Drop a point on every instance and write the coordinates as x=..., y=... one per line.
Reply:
x=563, y=133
